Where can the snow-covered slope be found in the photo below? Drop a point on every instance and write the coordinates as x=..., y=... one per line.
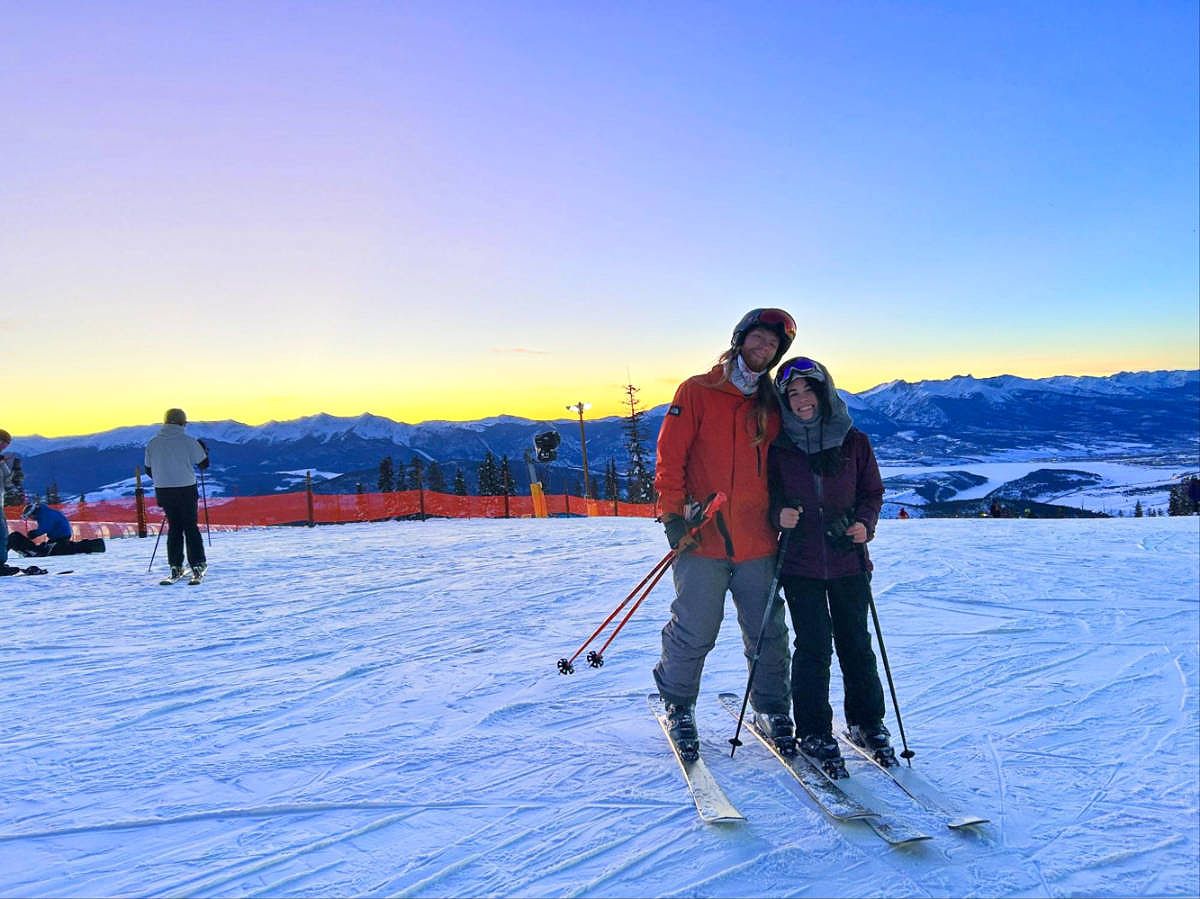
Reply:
x=374, y=710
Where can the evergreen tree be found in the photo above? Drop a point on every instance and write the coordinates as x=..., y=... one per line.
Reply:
x=16, y=492
x=387, y=480
x=641, y=480
x=489, y=476
x=460, y=482
x=416, y=474
x=1137, y=509
x=612, y=486
x=1181, y=500
x=435, y=479
x=504, y=479
x=52, y=495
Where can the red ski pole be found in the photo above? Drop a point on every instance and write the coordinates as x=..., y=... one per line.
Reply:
x=596, y=659
x=566, y=666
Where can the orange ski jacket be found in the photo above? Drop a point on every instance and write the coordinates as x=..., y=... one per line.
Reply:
x=707, y=444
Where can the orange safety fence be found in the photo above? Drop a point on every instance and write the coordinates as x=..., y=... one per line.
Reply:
x=118, y=517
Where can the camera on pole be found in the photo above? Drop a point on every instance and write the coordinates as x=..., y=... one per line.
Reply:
x=546, y=444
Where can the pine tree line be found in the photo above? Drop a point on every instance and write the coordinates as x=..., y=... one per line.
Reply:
x=494, y=477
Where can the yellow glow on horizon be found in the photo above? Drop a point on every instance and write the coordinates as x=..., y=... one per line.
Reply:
x=463, y=394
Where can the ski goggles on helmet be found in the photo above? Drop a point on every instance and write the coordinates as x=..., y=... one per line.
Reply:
x=775, y=319
x=800, y=367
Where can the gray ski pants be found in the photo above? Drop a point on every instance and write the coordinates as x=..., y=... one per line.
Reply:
x=696, y=613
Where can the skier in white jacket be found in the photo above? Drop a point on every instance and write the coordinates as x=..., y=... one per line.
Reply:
x=170, y=459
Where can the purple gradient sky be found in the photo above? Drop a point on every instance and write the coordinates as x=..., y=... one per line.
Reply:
x=455, y=210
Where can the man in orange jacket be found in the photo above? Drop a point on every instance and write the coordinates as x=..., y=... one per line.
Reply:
x=715, y=438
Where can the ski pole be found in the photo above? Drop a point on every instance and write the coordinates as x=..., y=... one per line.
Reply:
x=566, y=666
x=596, y=659
x=907, y=754
x=204, y=495
x=772, y=598
x=161, y=525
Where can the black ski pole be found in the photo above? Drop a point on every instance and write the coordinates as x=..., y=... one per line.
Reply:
x=204, y=496
x=772, y=598
x=907, y=754
x=161, y=525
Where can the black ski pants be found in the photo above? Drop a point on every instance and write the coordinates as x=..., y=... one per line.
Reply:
x=828, y=613
x=179, y=505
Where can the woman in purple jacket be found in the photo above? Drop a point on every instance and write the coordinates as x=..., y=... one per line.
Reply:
x=826, y=489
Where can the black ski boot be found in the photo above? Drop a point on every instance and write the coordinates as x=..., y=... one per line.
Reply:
x=823, y=749
x=780, y=729
x=684, y=735
x=175, y=576
x=876, y=740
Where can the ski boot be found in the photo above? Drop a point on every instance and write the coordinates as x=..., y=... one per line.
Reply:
x=779, y=728
x=875, y=740
x=823, y=749
x=683, y=731
x=175, y=575
x=197, y=574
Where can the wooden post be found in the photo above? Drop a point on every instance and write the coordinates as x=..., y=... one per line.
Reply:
x=139, y=496
x=308, y=489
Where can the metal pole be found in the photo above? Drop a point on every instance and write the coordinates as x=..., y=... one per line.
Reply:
x=772, y=601
x=156, y=539
x=587, y=484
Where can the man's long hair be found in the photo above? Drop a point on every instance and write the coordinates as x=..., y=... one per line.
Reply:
x=766, y=399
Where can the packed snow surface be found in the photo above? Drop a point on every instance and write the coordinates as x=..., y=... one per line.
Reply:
x=375, y=710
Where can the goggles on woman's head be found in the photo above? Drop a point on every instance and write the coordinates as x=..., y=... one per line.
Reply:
x=800, y=367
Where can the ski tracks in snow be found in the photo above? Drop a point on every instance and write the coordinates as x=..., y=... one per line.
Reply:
x=375, y=710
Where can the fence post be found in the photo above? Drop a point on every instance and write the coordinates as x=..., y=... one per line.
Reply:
x=421, y=500
x=308, y=490
x=139, y=495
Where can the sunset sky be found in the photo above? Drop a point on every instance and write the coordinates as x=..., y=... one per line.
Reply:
x=452, y=210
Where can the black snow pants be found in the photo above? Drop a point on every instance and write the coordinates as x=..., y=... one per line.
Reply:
x=179, y=505
x=828, y=613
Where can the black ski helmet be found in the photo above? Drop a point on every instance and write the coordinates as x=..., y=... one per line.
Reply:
x=777, y=320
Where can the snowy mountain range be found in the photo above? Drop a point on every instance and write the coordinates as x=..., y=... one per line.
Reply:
x=1148, y=416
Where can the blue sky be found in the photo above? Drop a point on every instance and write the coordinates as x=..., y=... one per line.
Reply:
x=454, y=210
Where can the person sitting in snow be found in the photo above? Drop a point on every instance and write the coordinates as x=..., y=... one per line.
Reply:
x=825, y=483
x=51, y=537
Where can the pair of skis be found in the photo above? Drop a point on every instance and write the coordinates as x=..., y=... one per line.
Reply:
x=843, y=799
x=196, y=578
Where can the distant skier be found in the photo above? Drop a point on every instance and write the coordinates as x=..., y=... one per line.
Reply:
x=903, y=514
x=52, y=536
x=714, y=438
x=824, y=464
x=170, y=457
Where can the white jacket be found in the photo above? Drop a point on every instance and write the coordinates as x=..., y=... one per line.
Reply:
x=171, y=455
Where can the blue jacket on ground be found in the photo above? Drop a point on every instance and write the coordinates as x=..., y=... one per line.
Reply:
x=52, y=523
